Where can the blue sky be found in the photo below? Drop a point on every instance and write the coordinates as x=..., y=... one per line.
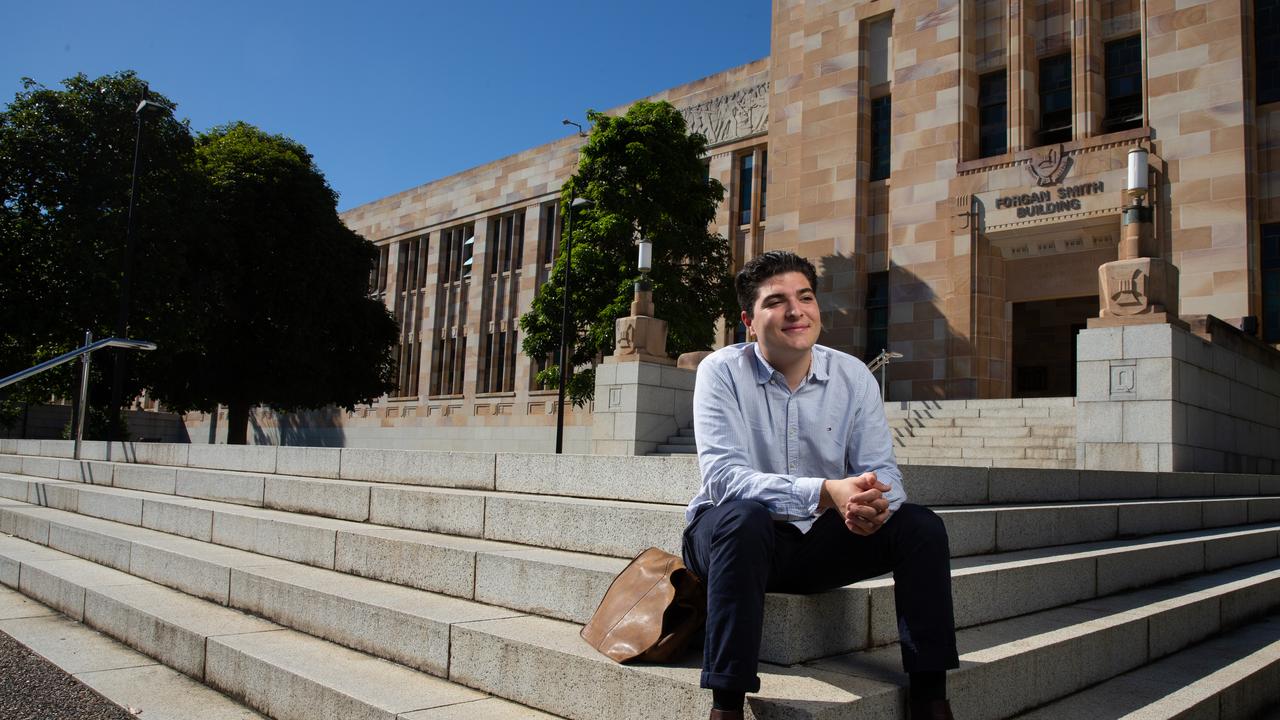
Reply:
x=387, y=95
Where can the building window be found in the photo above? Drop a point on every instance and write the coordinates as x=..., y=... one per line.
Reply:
x=879, y=79
x=504, y=246
x=498, y=362
x=378, y=275
x=993, y=114
x=764, y=182
x=1055, y=99
x=506, y=242
x=881, y=115
x=449, y=344
x=539, y=365
x=877, y=314
x=1266, y=39
x=549, y=234
x=457, y=246
x=746, y=166
x=1124, y=84
x=1271, y=282
x=411, y=284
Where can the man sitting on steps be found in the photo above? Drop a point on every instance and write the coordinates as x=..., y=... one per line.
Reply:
x=801, y=492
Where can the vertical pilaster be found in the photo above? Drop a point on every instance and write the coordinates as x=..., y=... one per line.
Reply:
x=1023, y=118
x=1087, y=86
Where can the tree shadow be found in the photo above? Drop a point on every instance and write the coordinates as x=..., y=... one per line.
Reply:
x=861, y=305
x=322, y=427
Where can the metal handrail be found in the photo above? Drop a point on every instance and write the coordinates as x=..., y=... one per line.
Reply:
x=81, y=352
x=881, y=363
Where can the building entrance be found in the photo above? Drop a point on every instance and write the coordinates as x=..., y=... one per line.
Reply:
x=1044, y=345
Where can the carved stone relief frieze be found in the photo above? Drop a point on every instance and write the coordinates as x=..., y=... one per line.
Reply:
x=730, y=117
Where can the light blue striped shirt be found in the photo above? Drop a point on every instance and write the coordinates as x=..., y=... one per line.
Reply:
x=759, y=440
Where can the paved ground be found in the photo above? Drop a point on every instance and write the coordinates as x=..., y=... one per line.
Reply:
x=32, y=688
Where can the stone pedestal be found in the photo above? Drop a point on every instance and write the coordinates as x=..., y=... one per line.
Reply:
x=639, y=405
x=1155, y=397
x=640, y=338
x=1140, y=290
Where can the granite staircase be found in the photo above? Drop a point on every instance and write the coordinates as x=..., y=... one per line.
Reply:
x=1011, y=433
x=357, y=583
x=682, y=443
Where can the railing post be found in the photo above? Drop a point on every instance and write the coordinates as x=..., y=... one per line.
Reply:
x=84, y=390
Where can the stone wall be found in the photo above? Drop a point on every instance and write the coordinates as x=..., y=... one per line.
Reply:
x=1158, y=397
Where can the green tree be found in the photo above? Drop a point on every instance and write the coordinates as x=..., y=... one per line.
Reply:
x=283, y=316
x=66, y=158
x=642, y=173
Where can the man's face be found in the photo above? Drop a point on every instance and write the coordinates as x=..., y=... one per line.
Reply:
x=785, y=318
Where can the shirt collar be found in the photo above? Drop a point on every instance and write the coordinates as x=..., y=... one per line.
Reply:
x=818, y=366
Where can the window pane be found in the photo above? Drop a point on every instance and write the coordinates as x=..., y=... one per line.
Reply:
x=881, y=116
x=744, y=189
x=1271, y=282
x=764, y=182
x=992, y=114
x=1055, y=99
x=1124, y=84
x=1267, y=44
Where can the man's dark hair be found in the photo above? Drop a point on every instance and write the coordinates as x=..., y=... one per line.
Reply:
x=762, y=267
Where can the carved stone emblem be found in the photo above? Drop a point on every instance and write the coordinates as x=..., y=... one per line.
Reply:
x=1124, y=379
x=1131, y=292
x=1140, y=286
x=1049, y=165
x=730, y=117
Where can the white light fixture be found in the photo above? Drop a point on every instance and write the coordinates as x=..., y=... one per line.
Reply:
x=645, y=262
x=1137, y=180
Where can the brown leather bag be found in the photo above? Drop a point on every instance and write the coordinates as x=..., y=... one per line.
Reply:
x=649, y=612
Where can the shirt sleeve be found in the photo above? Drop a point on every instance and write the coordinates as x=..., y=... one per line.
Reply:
x=722, y=435
x=870, y=446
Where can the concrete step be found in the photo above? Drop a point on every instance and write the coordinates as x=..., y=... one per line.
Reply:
x=1235, y=675
x=668, y=480
x=568, y=585
x=1007, y=666
x=124, y=676
x=281, y=672
x=682, y=439
x=676, y=449
x=603, y=527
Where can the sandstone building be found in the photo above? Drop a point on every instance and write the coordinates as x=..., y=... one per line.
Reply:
x=955, y=170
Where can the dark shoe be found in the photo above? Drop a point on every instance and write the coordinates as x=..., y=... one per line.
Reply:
x=933, y=710
x=726, y=715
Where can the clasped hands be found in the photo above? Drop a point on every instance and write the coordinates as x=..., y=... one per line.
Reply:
x=860, y=499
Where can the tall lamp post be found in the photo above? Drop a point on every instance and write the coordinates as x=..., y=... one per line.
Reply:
x=126, y=270
x=576, y=202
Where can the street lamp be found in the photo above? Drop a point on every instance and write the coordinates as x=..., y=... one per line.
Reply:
x=126, y=270
x=564, y=318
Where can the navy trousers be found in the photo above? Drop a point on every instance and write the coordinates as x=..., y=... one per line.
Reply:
x=741, y=552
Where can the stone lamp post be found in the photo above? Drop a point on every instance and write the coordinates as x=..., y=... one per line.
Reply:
x=1138, y=287
x=641, y=336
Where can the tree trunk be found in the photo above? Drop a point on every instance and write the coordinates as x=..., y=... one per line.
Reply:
x=237, y=422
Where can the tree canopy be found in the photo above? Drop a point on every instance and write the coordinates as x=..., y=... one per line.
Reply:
x=243, y=274
x=642, y=173
x=284, y=315
x=66, y=157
